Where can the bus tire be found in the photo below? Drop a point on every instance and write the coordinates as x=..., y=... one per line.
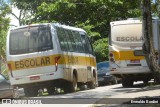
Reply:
x=30, y=92
x=71, y=86
x=92, y=84
x=127, y=82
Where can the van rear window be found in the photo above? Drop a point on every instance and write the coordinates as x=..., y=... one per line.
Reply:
x=30, y=39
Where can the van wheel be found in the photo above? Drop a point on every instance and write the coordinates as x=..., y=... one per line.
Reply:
x=92, y=84
x=126, y=82
x=31, y=92
x=71, y=86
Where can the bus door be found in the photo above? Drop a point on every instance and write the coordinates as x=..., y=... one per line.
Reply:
x=88, y=49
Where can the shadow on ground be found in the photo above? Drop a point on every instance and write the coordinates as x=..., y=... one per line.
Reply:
x=138, y=87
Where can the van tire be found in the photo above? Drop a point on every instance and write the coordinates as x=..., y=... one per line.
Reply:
x=126, y=82
x=71, y=86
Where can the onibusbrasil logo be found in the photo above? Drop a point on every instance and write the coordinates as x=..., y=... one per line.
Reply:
x=21, y=101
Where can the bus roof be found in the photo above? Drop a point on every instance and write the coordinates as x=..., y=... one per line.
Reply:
x=54, y=24
x=68, y=27
x=128, y=21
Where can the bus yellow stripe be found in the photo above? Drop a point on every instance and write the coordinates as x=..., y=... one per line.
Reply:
x=125, y=55
x=50, y=60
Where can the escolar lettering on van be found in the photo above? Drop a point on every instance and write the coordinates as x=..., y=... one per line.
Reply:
x=50, y=61
x=29, y=63
x=132, y=38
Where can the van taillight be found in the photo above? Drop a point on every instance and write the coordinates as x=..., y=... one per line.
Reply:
x=111, y=57
x=10, y=69
x=56, y=62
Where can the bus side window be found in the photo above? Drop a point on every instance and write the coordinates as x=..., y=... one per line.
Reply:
x=62, y=41
x=87, y=45
x=69, y=41
x=78, y=41
x=71, y=37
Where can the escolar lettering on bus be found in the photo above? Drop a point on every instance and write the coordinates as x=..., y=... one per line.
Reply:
x=132, y=38
x=32, y=63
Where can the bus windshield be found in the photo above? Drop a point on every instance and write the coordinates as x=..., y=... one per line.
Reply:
x=30, y=39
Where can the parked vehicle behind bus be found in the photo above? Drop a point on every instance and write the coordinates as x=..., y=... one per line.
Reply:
x=50, y=55
x=104, y=76
x=127, y=59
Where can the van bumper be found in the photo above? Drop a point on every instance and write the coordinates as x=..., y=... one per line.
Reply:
x=131, y=70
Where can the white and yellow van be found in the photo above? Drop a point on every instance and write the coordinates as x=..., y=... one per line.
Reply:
x=50, y=55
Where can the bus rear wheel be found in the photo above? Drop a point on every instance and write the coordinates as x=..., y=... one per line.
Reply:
x=126, y=82
x=71, y=86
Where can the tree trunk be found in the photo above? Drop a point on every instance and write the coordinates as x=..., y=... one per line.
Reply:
x=148, y=41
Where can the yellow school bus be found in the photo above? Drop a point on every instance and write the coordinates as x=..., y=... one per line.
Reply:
x=126, y=57
x=50, y=55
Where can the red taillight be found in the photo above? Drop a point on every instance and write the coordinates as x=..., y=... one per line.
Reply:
x=56, y=61
x=10, y=69
x=111, y=55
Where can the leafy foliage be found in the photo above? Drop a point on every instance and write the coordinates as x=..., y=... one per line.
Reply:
x=4, y=23
x=101, y=48
x=156, y=8
x=92, y=15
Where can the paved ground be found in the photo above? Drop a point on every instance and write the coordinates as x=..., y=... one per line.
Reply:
x=146, y=95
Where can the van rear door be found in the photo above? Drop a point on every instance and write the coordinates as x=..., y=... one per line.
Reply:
x=31, y=51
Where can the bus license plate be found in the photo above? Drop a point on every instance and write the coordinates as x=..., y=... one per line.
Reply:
x=35, y=78
x=134, y=61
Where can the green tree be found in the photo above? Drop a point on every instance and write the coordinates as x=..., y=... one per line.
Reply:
x=101, y=48
x=4, y=23
x=92, y=15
